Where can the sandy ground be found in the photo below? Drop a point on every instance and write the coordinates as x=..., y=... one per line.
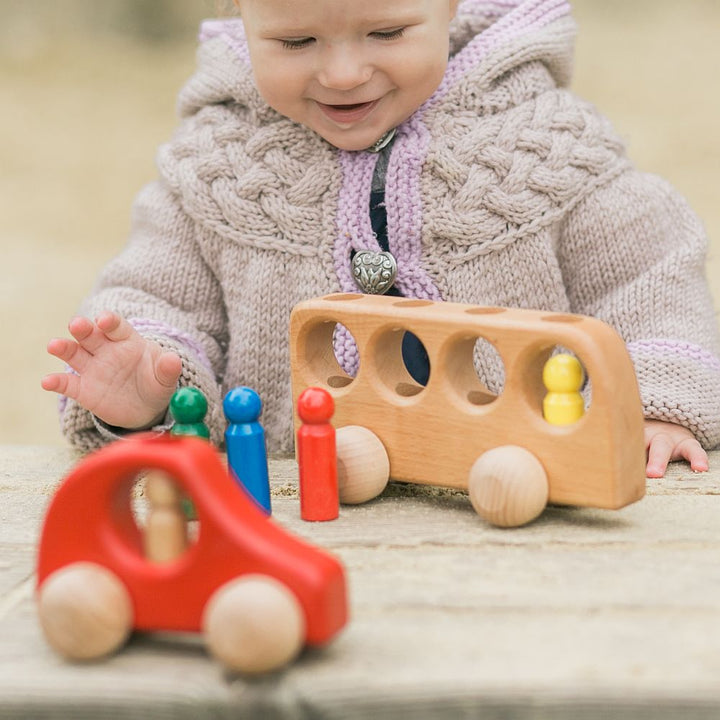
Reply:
x=82, y=116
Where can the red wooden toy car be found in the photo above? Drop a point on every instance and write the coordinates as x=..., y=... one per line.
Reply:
x=257, y=592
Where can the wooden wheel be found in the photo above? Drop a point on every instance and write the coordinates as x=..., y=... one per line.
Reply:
x=508, y=486
x=363, y=465
x=254, y=624
x=85, y=611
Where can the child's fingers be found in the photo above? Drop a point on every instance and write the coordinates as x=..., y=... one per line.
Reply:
x=87, y=335
x=693, y=452
x=67, y=384
x=114, y=327
x=663, y=448
x=660, y=450
x=69, y=352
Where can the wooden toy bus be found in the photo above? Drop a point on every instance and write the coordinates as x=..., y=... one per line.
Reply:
x=453, y=431
x=257, y=593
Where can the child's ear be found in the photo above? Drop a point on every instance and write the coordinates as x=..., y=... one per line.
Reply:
x=453, y=7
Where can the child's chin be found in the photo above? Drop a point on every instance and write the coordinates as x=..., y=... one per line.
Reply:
x=347, y=141
x=348, y=145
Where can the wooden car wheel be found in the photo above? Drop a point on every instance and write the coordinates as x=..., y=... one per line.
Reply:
x=362, y=463
x=254, y=624
x=508, y=486
x=85, y=611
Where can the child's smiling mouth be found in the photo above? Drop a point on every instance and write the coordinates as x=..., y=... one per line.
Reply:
x=348, y=113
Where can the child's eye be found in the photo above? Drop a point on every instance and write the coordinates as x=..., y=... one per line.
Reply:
x=388, y=34
x=297, y=43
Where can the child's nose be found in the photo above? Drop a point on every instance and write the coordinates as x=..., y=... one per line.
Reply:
x=343, y=68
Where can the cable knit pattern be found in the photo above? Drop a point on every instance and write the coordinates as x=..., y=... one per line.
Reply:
x=518, y=171
x=502, y=189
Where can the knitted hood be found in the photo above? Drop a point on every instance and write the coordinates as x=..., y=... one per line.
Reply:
x=500, y=34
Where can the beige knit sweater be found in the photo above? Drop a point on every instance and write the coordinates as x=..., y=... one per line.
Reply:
x=503, y=189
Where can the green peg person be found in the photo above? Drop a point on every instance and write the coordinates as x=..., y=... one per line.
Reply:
x=188, y=407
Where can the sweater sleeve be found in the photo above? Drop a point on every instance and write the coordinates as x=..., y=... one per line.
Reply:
x=632, y=253
x=162, y=285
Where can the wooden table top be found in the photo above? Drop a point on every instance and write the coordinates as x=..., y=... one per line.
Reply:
x=584, y=613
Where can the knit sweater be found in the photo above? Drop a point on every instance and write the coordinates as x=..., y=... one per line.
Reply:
x=503, y=189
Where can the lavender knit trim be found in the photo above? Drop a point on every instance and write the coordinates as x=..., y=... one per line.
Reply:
x=523, y=16
x=660, y=346
x=354, y=230
x=232, y=31
x=145, y=327
x=403, y=198
x=404, y=206
x=487, y=7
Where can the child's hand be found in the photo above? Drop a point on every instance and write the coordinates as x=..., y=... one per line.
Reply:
x=665, y=442
x=119, y=376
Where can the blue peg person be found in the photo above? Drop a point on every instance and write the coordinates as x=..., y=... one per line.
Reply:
x=245, y=444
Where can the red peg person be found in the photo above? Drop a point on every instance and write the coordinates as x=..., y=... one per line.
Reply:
x=317, y=456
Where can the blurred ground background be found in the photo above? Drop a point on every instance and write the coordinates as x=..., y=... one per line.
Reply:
x=87, y=92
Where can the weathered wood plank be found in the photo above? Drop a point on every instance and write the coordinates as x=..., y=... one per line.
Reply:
x=584, y=612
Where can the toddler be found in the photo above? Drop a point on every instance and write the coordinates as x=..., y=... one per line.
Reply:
x=439, y=135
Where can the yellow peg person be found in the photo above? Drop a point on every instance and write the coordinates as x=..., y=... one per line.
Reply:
x=563, y=378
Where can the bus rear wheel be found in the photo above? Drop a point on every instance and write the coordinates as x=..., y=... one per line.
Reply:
x=508, y=486
x=363, y=465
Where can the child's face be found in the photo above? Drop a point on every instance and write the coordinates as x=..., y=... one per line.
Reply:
x=348, y=69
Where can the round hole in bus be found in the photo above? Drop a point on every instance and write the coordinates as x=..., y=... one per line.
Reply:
x=563, y=318
x=343, y=297
x=165, y=518
x=413, y=303
x=475, y=370
x=329, y=353
x=401, y=361
x=485, y=310
x=567, y=388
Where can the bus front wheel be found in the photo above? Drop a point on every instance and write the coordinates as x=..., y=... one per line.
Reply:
x=508, y=486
